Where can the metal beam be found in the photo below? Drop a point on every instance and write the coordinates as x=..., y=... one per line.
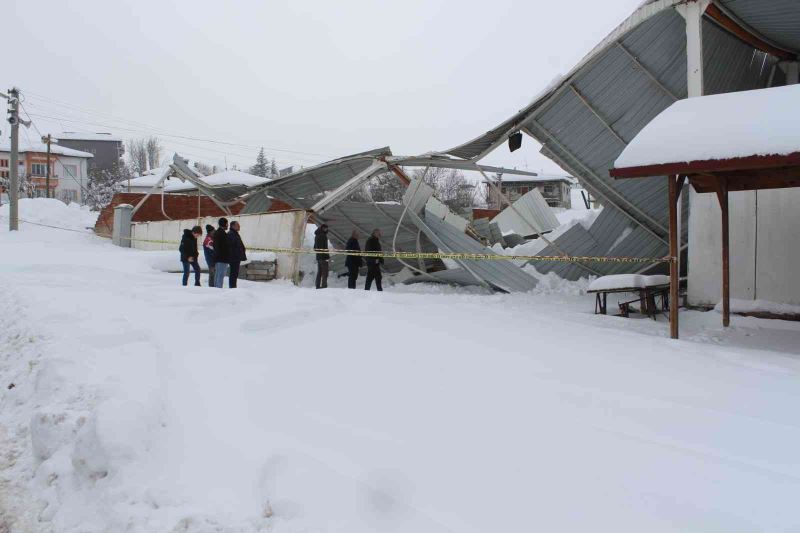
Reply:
x=153, y=189
x=693, y=12
x=441, y=246
x=608, y=191
x=596, y=114
x=459, y=164
x=649, y=74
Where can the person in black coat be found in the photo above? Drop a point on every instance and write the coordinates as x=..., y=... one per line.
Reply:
x=189, y=255
x=237, y=253
x=321, y=243
x=221, y=253
x=353, y=262
x=373, y=244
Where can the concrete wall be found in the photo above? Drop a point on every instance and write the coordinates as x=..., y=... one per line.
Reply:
x=283, y=230
x=765, y=247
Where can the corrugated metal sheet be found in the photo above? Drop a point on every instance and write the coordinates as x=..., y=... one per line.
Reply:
x=364, y=217
x=257, y=203
x=502, y=275
x=585, y=121
x=481, y=226
x=528, y=216
x=453, y=276
x=304, y=187
x=776, y=20
x=628, y=99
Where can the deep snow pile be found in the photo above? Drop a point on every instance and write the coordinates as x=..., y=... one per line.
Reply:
x=139, y=405
x=51, y=212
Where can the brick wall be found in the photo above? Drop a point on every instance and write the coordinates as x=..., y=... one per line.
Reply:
x=484, y=213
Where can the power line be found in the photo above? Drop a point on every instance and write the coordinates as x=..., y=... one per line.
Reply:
x=67, y=170
x=147, y=132
x=165, y=133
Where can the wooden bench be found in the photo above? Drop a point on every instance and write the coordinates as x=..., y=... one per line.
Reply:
x=650, y=289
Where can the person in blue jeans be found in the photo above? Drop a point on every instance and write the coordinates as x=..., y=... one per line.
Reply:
x=222, y=253
x=189, y=255
x=208, y=252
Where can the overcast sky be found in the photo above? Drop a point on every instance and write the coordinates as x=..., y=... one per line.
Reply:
x=314, y=78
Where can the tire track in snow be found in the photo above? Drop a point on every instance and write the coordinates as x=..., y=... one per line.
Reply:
x=20, y=353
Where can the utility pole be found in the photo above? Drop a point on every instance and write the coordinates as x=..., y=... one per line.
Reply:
x=13, y=194
x=47, y=139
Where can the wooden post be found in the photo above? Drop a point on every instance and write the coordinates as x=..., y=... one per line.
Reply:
x=674, y=267
x=722, y=193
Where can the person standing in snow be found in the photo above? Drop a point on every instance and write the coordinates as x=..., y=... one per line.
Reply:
x=373, y=244
x=189, y=255
x=208, y=252
x=321, y=243
x=237, y=253
x=221, y=253
x=353, y=262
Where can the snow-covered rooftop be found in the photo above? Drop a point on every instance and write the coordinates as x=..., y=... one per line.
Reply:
x=147, y=180
x=24, y=146
x=88, y=136
x=226, y=177
x=723, y=126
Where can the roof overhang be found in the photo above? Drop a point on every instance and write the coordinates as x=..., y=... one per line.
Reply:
x=749, y=173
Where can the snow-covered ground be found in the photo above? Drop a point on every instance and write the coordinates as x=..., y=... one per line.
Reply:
x=130, y=403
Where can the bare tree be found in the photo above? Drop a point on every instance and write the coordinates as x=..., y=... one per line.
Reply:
x=386, y=188
x=137, y=155
x=204, y=169
x=152, y=147
x=450, y=186
x=143, y=154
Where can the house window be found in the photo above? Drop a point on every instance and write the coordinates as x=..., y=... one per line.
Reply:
x=524, y=190
x=3, y=173
x=39, y=169
x=4, y=163
x=550, y=189
x=69, y=196
x=70, y=171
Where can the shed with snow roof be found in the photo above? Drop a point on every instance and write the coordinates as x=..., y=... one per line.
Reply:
x=722, y=144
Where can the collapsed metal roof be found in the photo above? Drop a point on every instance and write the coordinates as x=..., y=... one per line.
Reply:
x=588, y=117
x=420, y=224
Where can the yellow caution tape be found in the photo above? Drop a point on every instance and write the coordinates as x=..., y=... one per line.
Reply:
x=422, y=255
x=444, y=255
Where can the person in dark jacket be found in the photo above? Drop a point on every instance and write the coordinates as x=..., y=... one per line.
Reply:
x=321, y=243
x=221, y=253
x=189, y=255
x=237, y=253
x=208, y=252
x=353, y=262
x=373, y=244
